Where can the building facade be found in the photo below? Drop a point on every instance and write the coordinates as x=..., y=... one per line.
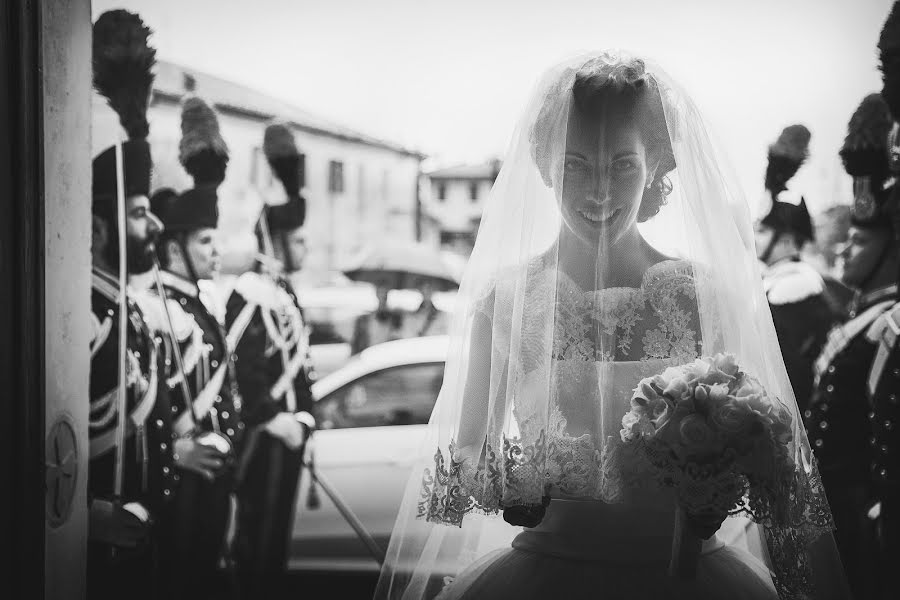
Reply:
x=455, y=198
x=358, y=189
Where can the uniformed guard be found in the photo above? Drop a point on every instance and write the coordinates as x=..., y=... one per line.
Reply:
x=838, y=420
x=130, y=475
x=273, y=375
x=801, y=308
x=202, y=376
x=884, y=374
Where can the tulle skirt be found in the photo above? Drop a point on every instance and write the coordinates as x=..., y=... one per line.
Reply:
x=568, y=563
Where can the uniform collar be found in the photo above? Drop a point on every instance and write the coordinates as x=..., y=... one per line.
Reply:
x=180, y=284
x=105, y=282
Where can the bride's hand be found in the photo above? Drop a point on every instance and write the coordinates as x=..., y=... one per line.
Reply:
x=705, y=525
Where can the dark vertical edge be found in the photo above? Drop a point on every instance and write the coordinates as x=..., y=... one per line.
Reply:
x=22, y=282
x=419, y=215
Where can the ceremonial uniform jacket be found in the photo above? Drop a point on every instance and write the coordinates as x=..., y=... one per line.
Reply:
x=839, y=418
x=884, y=402
x=803, y=316
x=211, y=369
x=149, y=476
x=264, y=319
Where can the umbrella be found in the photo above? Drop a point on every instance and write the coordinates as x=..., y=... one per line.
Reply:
x=403, y=265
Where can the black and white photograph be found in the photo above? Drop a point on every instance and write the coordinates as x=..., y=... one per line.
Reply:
x=471, y=300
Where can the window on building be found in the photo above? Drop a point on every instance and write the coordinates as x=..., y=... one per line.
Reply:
x=473, y=191
x=442, y=191
x=336, y=177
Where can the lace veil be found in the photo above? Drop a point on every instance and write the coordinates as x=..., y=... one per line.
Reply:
x=615, y=243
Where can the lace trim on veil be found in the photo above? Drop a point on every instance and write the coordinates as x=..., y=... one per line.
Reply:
x=519, y=470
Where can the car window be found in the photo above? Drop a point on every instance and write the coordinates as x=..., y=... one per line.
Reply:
x=396, y=396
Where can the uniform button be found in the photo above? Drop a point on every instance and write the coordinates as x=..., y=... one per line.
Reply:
x=823, y=425
x=831, y=369
x=224, y=414
x=137, y=353
x=888, y=425
x=229, y=431
x=176, y=477
x=165, y=470
x=110, y=312
x=241, y=425
x=158, y=340
x=168, y=362
x=183, y=301
x=882, y=473
x=884, y=449
x=807, y=413
x=159, y=423
x=174, y=409
x=819, y=443
x=218, y=399
x=872, y=441
x=214, y=363
x=892, y=398
x=213, y=412
x=167, y=492
x=829, y=388
x=872, y=416
x=896, y=372
x=163, y=446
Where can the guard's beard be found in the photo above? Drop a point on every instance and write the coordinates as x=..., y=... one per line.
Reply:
x=139, y=253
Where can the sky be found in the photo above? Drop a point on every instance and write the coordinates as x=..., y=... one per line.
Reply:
x=450, y=77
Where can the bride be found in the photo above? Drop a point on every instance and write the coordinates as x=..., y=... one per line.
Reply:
x=614, y=245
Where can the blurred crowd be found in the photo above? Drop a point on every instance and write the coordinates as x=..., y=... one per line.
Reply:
x=838, y=330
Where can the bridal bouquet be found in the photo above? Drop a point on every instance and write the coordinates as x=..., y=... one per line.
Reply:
x=712, y=433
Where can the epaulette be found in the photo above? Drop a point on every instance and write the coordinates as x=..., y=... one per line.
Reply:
x=262, y=291
x=790, y=196
x=183, y=323
x=791, y=282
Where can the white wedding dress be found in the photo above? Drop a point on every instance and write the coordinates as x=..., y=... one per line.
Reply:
x=617, y=545
x=568, y=301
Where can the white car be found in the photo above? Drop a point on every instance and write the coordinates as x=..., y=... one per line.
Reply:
x=372, y=415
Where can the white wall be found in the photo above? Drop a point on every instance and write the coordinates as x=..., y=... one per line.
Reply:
x=66, y=47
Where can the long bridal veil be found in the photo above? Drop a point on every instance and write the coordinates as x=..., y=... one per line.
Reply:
x=543, y=359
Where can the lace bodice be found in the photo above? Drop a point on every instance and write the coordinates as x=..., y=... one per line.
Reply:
x=658, y=320
x=603, y=343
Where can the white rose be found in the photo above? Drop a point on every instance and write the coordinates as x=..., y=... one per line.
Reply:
x=726, y=363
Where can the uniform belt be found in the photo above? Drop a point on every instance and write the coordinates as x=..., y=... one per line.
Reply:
x=840, y=337
x=192, y=354
x=103, y=443
x=203, y=402
x=239, y=326
x=287, y=378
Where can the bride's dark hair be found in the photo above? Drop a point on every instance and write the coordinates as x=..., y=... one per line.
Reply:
x=607, y=82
